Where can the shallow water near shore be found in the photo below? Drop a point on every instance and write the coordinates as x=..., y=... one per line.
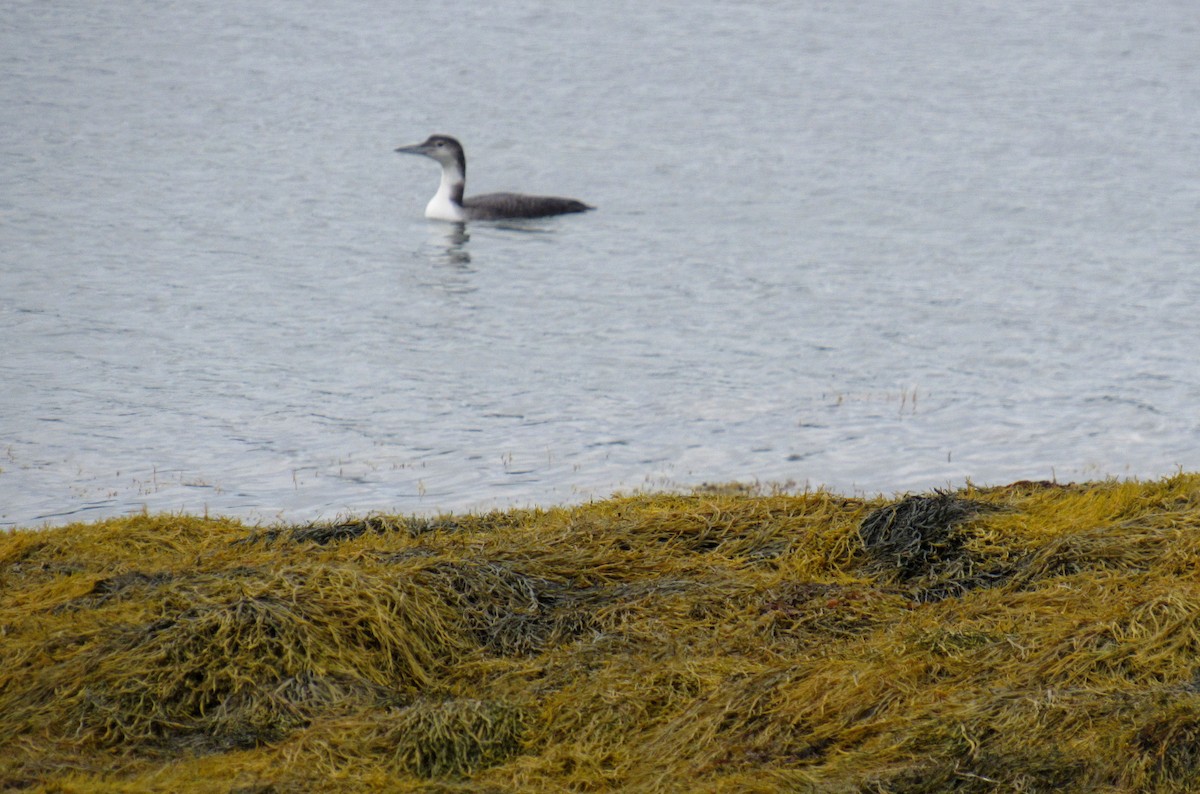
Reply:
x=877, y=248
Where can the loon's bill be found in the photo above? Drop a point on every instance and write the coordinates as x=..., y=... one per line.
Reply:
x=448, y=203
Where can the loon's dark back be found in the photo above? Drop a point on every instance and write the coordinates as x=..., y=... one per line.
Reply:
x=497, y=206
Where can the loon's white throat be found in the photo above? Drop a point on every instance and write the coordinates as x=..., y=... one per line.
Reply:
x=448, y=203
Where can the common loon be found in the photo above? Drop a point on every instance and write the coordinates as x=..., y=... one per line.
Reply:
x=448, y=203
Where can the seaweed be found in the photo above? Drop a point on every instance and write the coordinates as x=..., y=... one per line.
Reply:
x=917, y=533
x=924, y=541
x=1033, y=637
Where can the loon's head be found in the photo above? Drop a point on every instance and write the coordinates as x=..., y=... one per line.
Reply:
x=443, y=148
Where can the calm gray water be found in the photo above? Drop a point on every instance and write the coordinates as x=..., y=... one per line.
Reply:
x=877, y=246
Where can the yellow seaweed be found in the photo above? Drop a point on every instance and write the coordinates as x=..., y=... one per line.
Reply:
x=1031, y=637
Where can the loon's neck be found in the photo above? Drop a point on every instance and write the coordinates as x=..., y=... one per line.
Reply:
x=446, y=204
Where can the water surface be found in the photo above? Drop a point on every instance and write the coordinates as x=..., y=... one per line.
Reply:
x=878, y=247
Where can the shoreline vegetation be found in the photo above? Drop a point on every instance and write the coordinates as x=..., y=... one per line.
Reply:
x=1030, y=637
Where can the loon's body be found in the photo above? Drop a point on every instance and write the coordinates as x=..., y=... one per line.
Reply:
x=448, y=203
